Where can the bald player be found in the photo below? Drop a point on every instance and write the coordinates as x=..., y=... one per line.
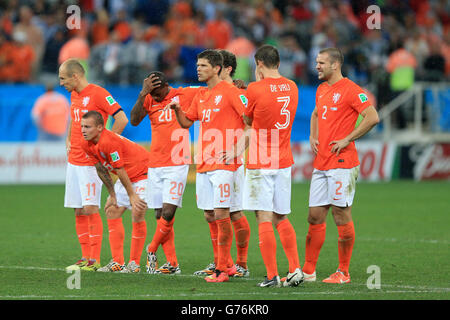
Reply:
x=83, y=186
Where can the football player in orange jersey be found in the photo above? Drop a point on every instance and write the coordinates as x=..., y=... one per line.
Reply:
x=240, y=223
x=219, y=108
x=272, y=105
x=169, y=162
x=128, y=160
x=339, y=102
x=83, y=186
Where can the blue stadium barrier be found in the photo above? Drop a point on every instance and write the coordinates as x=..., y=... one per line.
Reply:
x=16, y=102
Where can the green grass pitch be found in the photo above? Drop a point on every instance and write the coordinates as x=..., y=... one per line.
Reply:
x=402, y=227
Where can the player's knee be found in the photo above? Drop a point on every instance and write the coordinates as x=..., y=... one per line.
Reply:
x=113, y=213
x=277, y=218
x=138, y=216
x=158, y=213
x=90, y=210
x=209, y=216
x=236, y=215
x=168, y=215
x=313, y=219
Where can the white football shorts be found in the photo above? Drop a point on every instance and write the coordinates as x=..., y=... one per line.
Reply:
x=123, y=200
x=83, y=187
x=334, y=186
x=214, y=189
x=166, y=185
x=268, y=190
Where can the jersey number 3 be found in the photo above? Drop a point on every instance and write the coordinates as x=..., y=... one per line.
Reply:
x=285, y=112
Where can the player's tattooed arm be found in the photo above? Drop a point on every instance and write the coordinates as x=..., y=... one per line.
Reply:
x=108, y=183
x=106, y=178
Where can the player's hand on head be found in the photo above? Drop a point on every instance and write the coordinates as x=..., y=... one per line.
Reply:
x=151, y=83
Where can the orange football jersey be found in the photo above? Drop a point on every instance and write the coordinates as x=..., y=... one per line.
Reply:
x=272, y=104
x=114, y=151
x=93, y=97
x=338, y=107
x=170, y=144
x=219, y=111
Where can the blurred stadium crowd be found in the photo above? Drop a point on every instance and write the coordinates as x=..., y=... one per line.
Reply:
x=122, y=41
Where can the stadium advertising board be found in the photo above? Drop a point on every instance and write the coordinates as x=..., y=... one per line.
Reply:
x=32, y=163
x=376, y=160
x=433, y=163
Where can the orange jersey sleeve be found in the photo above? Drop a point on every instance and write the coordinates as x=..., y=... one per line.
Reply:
x=115, y=151
x=170, y=144
x=92, y=97
x=272, y=104
x=338, y=107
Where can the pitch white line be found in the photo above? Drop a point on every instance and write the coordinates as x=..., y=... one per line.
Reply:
x=414, y=289
x=428, y=241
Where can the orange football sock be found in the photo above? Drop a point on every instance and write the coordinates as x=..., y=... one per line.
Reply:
x=82, y=230
x=242, y=234
x=138, y=236
x=268, y=247
x=169, y=249
x=213, y=232
x=116, y=236
x=95, y=236
x=161, y=233
x=314, y=241
x=224, y=242
x=345, y=245
x=288, y=240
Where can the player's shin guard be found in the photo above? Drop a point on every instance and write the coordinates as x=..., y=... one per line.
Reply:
x=288, y=240
x=314, y=241
x=82, y=230
x=162, y=231
x=169, y=249
x=268, y=247
x=116, y=237
x=345, y=245
x=242, y=234
x=213, y=233
x=138, y=235
x=95, y=236
x=224, y=241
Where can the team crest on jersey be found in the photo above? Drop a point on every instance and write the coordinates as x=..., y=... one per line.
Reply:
x=86, y=101
x=217, y=99
x=175, y=99
x=336, y=97
x=115, y=156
